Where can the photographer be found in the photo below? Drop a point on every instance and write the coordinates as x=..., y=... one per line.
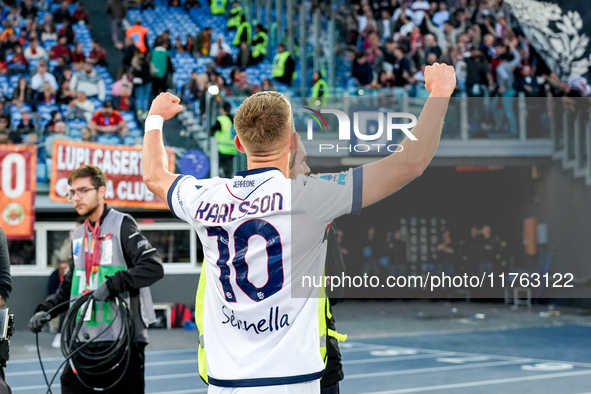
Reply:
x=5, y=288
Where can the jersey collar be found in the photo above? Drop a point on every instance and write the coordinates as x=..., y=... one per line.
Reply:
x=256, y=171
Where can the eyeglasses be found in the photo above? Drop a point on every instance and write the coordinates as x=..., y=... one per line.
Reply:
x=81, y=192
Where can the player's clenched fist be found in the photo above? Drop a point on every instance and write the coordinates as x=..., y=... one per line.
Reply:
x=166, y=105
x=440, y=80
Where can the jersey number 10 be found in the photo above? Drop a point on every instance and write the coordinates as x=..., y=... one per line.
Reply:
x=241, y=236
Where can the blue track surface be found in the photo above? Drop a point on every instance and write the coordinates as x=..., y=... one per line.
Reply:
x=531, y=360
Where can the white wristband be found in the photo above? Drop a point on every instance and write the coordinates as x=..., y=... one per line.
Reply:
x=153, y=122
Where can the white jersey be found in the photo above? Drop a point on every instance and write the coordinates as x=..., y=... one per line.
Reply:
x=259, y=232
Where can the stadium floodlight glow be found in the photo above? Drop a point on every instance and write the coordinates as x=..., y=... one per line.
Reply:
x=213, y=90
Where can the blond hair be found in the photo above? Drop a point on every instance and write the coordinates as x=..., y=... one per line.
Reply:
x=262, y=121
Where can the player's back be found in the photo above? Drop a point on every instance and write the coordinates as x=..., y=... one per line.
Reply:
x=255, y=333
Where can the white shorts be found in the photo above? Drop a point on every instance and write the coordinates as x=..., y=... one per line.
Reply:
x=312, y=387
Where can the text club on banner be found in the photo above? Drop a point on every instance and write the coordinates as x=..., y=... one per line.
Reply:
x=122, y=165
x=18, y=180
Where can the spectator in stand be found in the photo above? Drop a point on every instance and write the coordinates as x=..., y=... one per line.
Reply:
x=34, y=51
x=203, y=42
x=28, y=9
x=361, y=70
x=4, y=139
x=218, y=45
x=27, y=124
x=58, y=70
x=241, y=87
x=8, y=30
x=80, y=14
x=244, y=58
x=60, y=50
x=98, y=54
x=65, y=94
x=403, y=71
x=86, y=134
x=62, y=14
x=165, y=39
x=25, y=134
x=66, y=76
x=10, y=44
x=178, y=45
x=48, y=32
x=43, y=75
x=88, y=81
x=442, y=15
x=56, y=116
x=124, y=102
x=48, y=96
x=163, y=64
x=479, y=83
x=78, y=56
x=138, y=35
x=67, y=31
x=14, y=17
x=142, y=82
x=47, y=20
x=283, y=66
x=117, y=10
x=22, y=93
x=267, y=86
x=19, y=63
x=189, y=44
x=385, y=26
x=80, y=108
x=108, y=121
x=529, y=84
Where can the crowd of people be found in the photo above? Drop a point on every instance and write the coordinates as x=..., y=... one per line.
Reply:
x=389, y=43
x=48, y=79
x=395, y=252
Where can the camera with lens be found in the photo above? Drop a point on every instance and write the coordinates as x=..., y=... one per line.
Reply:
x=6, y=331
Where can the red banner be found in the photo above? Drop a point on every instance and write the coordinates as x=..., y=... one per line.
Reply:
x=122, y=165
x=18, y=181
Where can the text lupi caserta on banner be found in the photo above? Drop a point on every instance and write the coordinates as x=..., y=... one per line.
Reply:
x=122, y=166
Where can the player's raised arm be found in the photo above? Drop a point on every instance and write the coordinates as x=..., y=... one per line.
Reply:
x=157, y=177
x=384, y=177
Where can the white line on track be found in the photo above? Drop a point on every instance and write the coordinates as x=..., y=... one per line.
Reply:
x=483, y=383
x=397, y=358
x=437, y=369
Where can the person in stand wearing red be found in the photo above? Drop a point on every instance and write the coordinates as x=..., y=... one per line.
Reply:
x=98, y=54
x=108, y=121
x=61, y=49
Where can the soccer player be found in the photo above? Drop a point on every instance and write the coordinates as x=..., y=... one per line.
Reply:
x=258, y=336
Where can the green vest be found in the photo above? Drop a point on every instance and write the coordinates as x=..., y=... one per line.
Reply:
x=279, y=61
x=241, y=27
x=324, y=312
x=321, y=83
x=226, y=144
x=112, y=260
x=260, y=49
x=218, y=7
x=235, y=15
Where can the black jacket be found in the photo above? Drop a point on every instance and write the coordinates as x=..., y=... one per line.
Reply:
x=335, y=265
x=142, y=269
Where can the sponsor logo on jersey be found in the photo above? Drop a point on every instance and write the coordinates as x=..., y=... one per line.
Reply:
x=273, y=323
